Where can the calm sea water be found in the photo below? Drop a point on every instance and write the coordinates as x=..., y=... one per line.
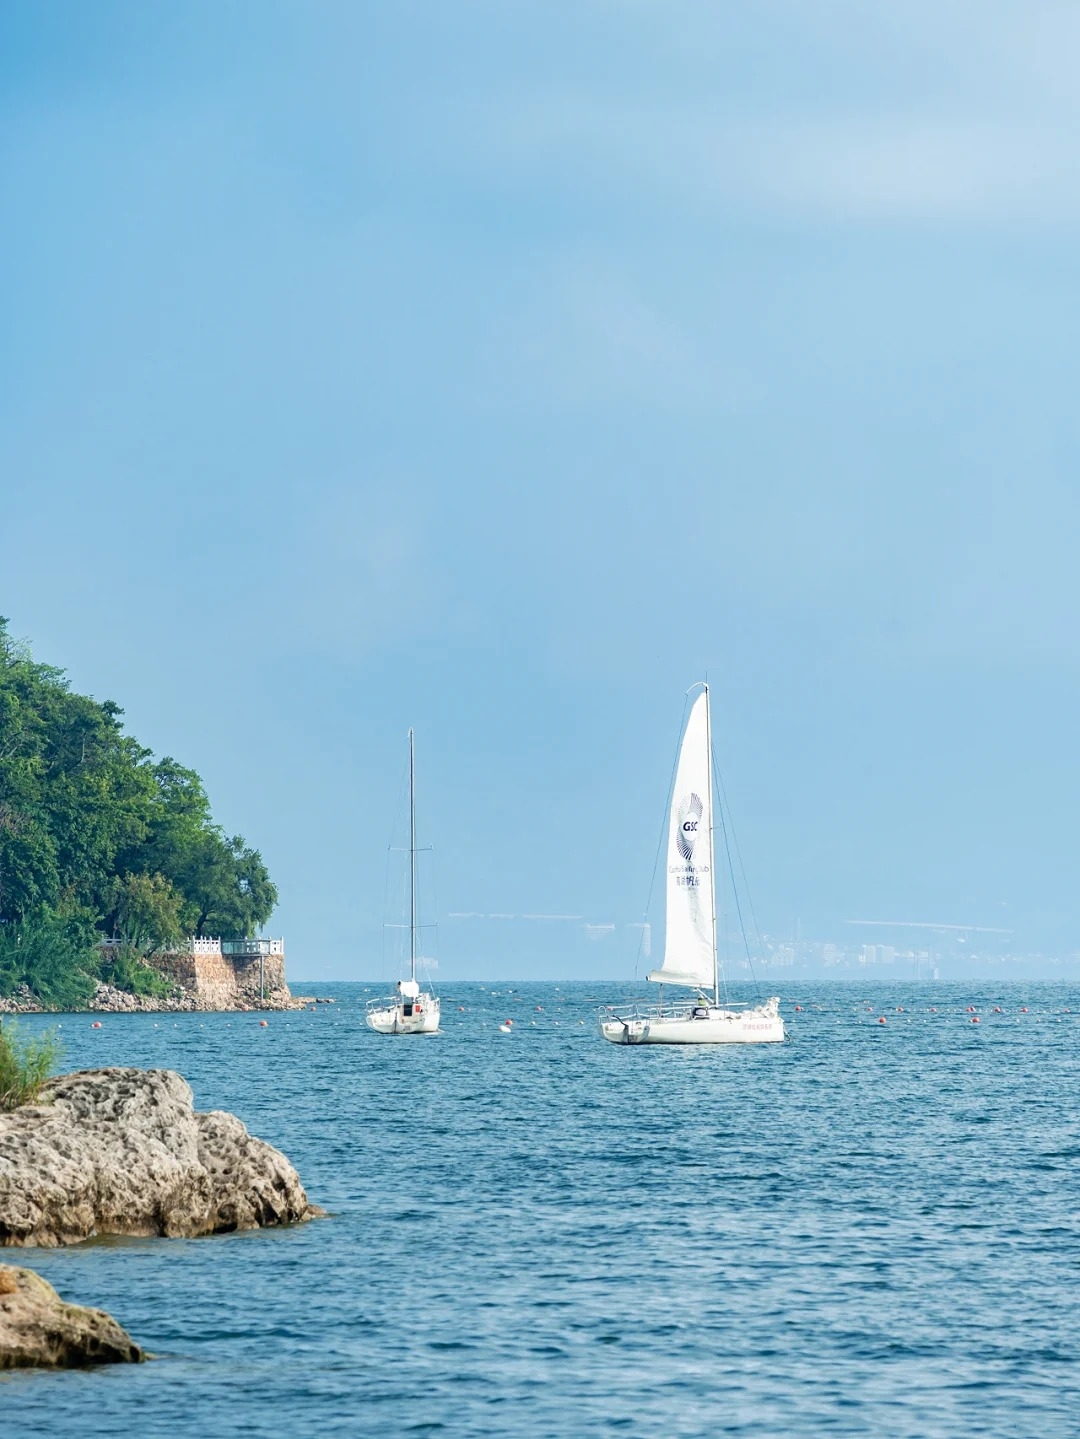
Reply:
x=871, y=1230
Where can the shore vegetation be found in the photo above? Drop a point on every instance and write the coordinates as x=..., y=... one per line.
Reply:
x=100, y=840
x=25, y=1064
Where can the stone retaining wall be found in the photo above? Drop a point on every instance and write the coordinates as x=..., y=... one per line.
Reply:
x=226, y=982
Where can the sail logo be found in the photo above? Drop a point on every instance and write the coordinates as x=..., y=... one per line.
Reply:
x=690, y=811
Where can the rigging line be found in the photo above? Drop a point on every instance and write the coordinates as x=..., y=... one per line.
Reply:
x=423, y=886
x=385, y=908
x=735, y=887
x=391, y=848
x=424, y=882
x=433, y=885
x=660, y=843
x=742, y=867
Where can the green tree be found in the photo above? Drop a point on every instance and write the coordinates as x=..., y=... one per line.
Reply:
x=147, y=912
x=95, y=831
x=228, y=885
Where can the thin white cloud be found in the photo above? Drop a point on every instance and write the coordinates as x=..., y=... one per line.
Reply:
x=957, y=112
x=871, y=164
x=911, y=168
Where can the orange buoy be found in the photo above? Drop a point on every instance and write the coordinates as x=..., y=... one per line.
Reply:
x=933, y=1009
x=262, y=1023
x=997, y=1008
x=96, y=1024
x=798, y=1009
x=1024, y=1009
x=899, y=1009
x=881, y=1020
x=461, y=1009
x=974, y=1019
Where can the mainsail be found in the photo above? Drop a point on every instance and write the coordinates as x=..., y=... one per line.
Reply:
x=690, y=943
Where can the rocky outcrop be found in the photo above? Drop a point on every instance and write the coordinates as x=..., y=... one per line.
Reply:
x=122, y=1151
x=22, y=1001
x=109, y=1000
x=37, y=1329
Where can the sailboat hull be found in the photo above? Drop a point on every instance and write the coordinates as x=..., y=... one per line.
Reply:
x=390, y=1017
x=696, y=1025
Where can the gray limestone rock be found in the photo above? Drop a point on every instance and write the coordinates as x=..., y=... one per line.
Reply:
x=37, y=1329
x=122, y=1151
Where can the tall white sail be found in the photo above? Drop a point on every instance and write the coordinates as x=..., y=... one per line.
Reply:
x=690, y=942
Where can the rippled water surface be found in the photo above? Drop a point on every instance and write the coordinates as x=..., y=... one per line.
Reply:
x=871, y=1230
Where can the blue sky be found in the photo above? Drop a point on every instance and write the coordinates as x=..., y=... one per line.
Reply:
x=500, y=369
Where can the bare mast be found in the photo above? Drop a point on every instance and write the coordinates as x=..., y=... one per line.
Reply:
x=412, y=860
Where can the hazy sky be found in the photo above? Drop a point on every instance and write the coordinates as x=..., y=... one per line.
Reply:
x=500, y=368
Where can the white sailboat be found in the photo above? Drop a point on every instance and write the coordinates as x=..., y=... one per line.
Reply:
x=691, y=960
x=411, y=1010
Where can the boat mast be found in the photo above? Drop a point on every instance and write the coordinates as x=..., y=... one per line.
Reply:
x=412, y=861
x=712, y=847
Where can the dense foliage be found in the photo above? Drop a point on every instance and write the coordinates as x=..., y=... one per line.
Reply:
x=97, y=838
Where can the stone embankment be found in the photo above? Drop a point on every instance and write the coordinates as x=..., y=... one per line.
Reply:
x=203, y=981
x=122, y=1151
x=38, y=1330
x=218, y=981
x=108, y=1000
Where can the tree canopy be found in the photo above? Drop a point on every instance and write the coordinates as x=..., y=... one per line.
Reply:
x=98, y=838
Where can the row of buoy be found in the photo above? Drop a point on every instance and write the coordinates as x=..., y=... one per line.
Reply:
x=882, y=1019
x=97, y=1024
x=970, y=1009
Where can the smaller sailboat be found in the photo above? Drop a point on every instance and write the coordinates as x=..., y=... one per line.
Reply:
x=691, y=960
x=411, y=1010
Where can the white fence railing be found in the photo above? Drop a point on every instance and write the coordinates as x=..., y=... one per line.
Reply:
x=206, y=944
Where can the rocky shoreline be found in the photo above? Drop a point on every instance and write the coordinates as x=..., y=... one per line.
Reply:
x=38, y=1330
x=121, y=1151
x=108, y=1000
